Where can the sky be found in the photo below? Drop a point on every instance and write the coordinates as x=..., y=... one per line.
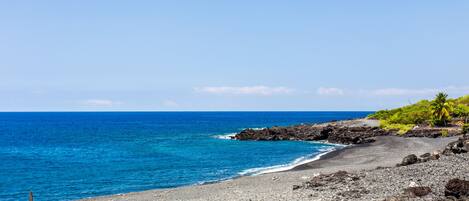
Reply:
x=230, y=55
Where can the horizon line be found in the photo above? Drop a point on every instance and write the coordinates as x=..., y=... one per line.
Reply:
x=110, y=111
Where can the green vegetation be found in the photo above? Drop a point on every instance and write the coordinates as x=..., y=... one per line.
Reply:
x=417, y=113
x=462, y=111
x=463, y=100
x=444, y=133
x=400, y=128
x=465, y=128
x=437, y=112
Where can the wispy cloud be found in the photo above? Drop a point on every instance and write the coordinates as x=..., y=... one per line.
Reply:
x=246, y=90
x=423, y=91
x=331, y=91
x=100, y=103
x=403, y=92
x=456, y=90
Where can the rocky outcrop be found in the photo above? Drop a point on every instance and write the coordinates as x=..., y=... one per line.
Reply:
x=432, y=132
x=331, y=133
x=354, y=135
x=301, y=132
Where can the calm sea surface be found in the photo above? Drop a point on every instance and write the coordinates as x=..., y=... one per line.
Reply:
x=66, y=156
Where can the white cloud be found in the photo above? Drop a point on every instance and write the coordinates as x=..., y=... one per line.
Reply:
x=170, y=103
x=402, y=92
x=247, y=90
x=452, y=90
x=424, y=91
x=100, y=103
x=330, y=91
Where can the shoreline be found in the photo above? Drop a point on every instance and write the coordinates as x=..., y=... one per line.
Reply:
x=293, y=165
x=385, y=152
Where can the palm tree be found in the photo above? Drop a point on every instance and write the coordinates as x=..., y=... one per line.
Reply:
x=441, y=109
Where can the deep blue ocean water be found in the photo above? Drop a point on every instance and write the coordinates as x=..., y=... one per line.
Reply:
x=66, y=156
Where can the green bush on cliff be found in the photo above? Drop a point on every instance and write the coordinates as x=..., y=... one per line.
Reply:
x=417, y=113
x=463, y=100
x=461, y=111
x=400, y=128
x=437, y=112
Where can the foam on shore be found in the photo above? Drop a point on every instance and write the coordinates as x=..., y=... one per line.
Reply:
x=279, y=168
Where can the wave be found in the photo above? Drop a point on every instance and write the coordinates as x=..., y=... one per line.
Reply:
x=225, y=136
x=289, y=166
x=228, y=136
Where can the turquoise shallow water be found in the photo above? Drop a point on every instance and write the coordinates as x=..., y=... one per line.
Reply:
x=66, y=156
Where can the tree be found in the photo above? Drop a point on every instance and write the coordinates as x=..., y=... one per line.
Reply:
x=441, y=109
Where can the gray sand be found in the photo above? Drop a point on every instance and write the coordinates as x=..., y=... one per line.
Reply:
x=385, y=152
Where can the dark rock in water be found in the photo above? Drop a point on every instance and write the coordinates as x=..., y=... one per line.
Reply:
x=419, y=191
x=457, y=188
x=458, y=147
x=409, y=160
x=331, y=133
x=300, y=132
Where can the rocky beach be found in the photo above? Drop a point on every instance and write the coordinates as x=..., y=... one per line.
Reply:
x=379, y=165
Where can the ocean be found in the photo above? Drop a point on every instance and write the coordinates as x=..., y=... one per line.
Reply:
x=73, y=155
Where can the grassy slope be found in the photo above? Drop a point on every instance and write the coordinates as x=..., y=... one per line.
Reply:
x=405, y=118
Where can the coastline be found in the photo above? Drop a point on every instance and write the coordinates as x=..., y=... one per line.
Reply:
x=385, y=152
x=292, y=165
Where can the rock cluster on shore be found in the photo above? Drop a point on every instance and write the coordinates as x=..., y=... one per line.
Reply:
x=357, y=131
x=442, y=175
x=332, y=133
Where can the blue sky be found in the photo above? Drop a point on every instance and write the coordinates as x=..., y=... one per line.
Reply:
x=230, y=55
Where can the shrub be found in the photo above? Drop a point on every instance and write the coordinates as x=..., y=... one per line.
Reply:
x=383, y=114
x=400, y=128
x=463, y=100
x=461, y=110
x=465, y=128
x=444, y=133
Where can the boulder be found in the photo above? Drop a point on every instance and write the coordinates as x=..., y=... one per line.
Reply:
x=457, y=188
x=409, y=160
x=458, y=147
x=418, y=191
